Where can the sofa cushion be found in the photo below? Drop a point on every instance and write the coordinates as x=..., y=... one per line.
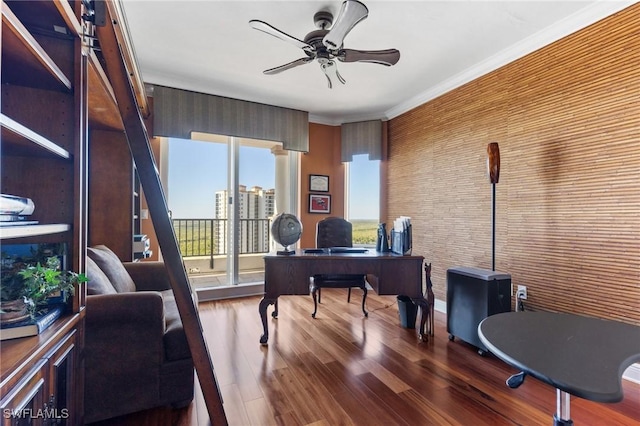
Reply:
x=98, y=282
x=176, y=346
x=112, y=268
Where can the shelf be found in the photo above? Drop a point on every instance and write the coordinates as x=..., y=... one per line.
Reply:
x=123, y=36
x=33, y=66
x=56, y=13
x=64, y=8
x=103, y=109
x=20, y=231
x=20, y=140
x=17, y=352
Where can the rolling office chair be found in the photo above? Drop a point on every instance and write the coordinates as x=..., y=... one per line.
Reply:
x=335, y=232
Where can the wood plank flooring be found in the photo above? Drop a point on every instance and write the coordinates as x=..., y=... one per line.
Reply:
x=344, y=369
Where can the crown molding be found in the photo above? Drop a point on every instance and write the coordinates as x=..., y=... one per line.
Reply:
x=319, y=119
x=579, y=20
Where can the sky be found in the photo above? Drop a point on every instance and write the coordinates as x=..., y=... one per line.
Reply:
x=364, y=180
x=198, y=169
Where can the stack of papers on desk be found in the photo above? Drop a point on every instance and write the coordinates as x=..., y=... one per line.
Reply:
x=401, y=223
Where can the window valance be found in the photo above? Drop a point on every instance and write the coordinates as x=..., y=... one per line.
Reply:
x=178, y=112
x=364, y=137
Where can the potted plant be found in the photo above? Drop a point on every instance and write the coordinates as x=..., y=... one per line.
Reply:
x=37, y=284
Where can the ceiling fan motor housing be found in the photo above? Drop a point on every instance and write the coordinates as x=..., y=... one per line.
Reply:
x=314, y=38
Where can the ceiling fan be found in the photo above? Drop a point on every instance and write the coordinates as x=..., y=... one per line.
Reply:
x=325, y=43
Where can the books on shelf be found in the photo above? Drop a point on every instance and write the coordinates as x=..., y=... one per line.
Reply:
x=29, y=326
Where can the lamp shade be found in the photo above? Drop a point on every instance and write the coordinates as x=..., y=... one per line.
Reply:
x=493, y=162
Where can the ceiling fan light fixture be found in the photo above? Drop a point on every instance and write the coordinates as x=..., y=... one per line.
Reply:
x=330, y=69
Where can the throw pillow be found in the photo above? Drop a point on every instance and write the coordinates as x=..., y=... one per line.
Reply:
x=112, y=268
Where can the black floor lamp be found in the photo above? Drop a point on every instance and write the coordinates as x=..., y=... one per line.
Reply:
x=493, y=168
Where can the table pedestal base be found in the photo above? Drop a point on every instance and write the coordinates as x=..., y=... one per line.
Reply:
x=563, y=409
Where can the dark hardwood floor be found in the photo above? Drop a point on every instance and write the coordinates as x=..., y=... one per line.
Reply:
x=344, y=369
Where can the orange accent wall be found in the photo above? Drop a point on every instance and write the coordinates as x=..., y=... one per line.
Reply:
x=323, y=158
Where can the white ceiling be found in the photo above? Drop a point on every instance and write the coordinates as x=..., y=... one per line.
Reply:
x=209, y=47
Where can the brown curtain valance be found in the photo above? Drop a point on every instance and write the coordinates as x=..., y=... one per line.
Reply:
x=364, y=137
x=177, y=113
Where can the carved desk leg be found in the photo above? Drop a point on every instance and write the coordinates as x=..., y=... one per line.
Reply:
x=424, y=315
x=264, y=303
x=364, y=299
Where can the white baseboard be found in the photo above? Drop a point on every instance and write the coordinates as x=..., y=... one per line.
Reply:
x=229, y=292
x=632, y=373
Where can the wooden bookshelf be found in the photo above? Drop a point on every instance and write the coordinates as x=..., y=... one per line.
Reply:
x=43, y=127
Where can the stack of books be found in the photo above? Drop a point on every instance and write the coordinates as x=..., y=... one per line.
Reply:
x=31, y=326
x=15, y=210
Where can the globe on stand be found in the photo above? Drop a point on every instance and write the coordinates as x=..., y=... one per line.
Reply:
x=286, y=230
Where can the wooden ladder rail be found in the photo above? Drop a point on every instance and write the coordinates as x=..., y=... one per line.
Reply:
x=150, y=181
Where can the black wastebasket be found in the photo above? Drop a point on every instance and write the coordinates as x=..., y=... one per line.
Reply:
x=408, y=311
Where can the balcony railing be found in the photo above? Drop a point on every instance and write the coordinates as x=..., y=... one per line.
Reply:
x=208, y=237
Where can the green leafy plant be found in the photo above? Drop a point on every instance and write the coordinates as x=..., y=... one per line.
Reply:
x=40, y=282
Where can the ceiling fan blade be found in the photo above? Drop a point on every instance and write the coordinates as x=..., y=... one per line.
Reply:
x=386, y=57
x=271, y=30
x=351, y=13
x=290, y=65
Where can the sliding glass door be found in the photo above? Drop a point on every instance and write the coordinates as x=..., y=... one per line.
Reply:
x=222, y=195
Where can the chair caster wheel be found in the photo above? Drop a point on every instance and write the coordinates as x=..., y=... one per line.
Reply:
x=452, y=337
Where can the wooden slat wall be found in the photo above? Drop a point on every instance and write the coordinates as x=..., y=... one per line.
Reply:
x=567, y=120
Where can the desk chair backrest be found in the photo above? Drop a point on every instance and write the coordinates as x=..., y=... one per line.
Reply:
x=334, y=232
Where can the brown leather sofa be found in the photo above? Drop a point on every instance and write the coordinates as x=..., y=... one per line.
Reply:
x=136, y=351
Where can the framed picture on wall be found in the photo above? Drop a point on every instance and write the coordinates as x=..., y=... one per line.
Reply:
x=318, y=183
x=319, y=203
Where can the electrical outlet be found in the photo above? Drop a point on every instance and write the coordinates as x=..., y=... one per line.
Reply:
x=522, y=292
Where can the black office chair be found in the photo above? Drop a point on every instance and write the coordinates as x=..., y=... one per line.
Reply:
x=336, y=232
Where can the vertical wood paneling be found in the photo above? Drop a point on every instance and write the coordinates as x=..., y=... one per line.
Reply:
x=110, y=198
x=567, y=120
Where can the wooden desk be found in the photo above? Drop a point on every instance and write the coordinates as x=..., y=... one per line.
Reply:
x=387, y=273
x=578, y=355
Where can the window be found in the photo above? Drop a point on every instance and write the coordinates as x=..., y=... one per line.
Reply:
x=363, y=199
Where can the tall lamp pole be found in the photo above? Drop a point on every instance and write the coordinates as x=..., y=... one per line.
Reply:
x=493, y=169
